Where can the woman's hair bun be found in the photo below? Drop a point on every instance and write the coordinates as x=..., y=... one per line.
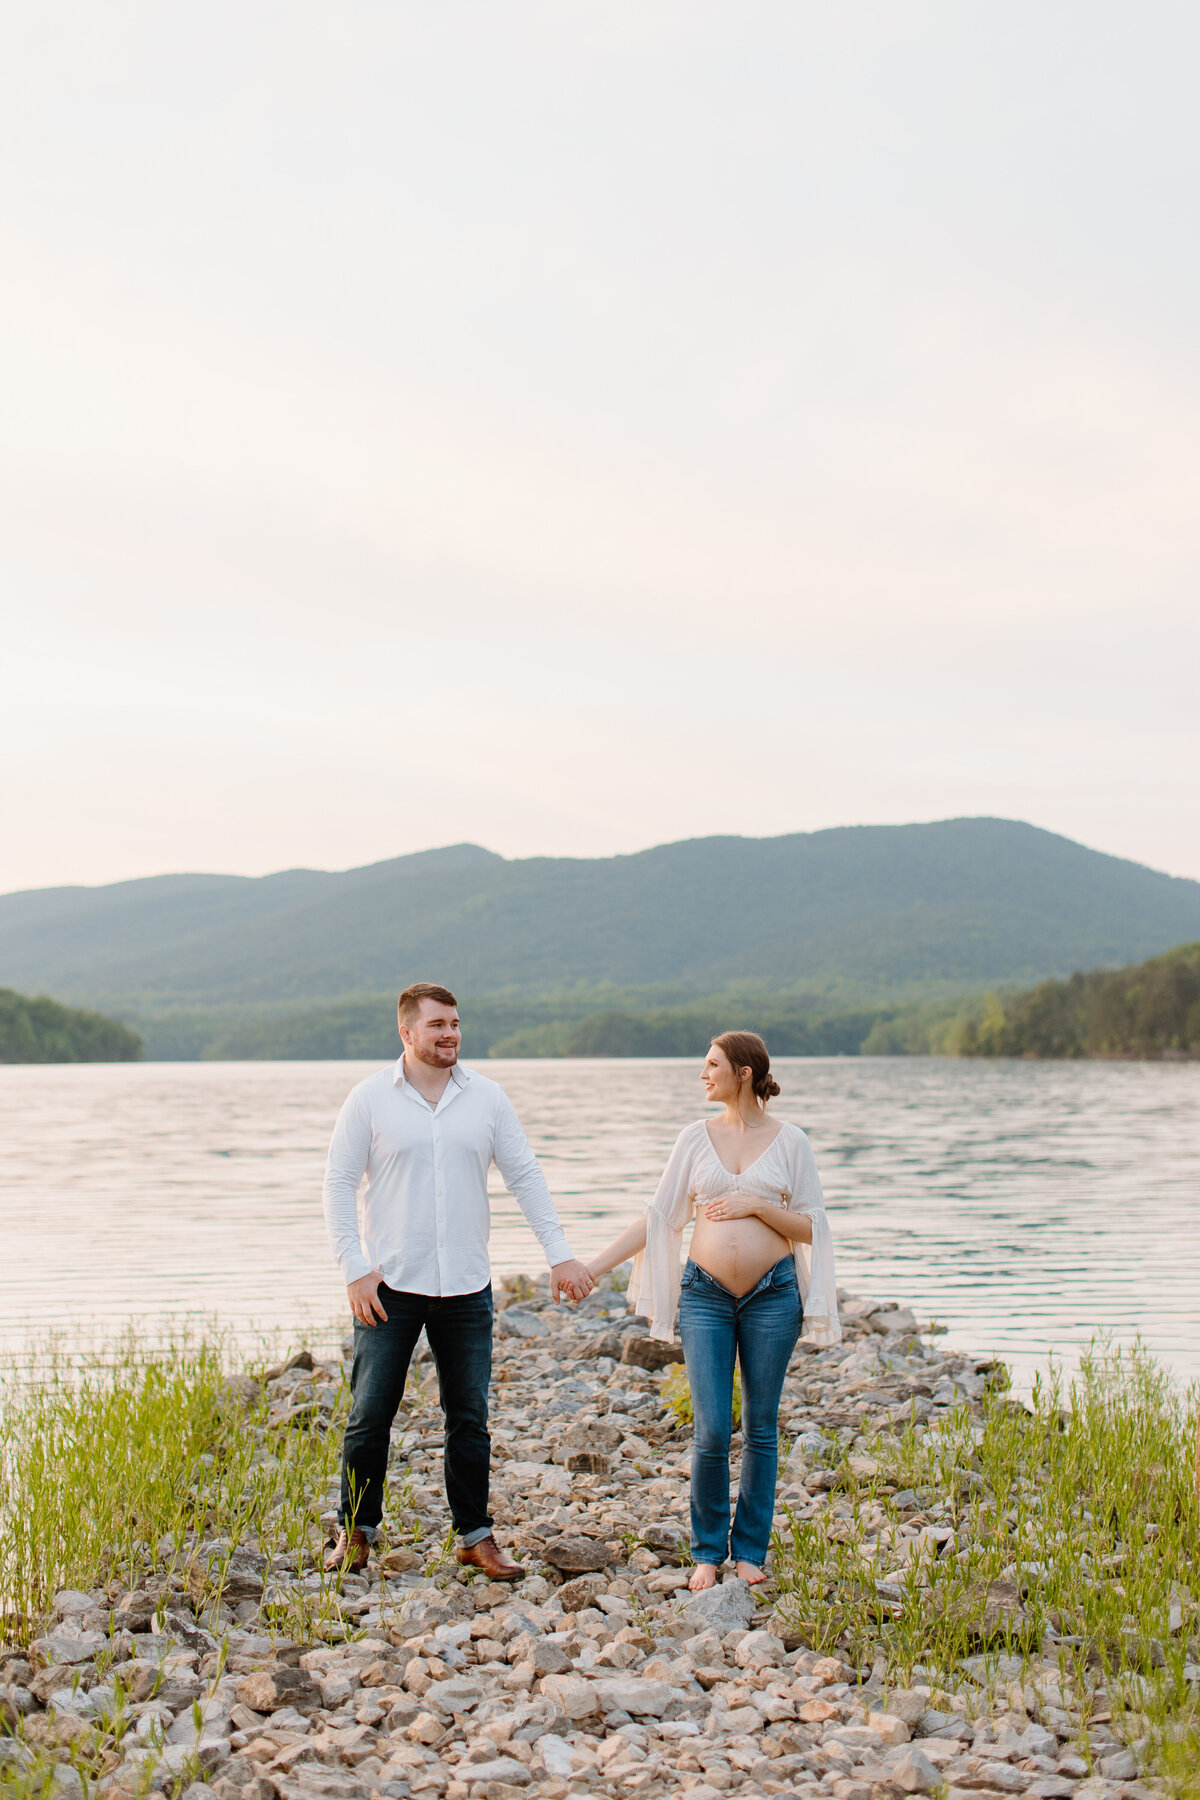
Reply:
x=766, y=1087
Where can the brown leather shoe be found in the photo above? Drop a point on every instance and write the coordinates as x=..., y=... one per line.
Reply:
x=350, y=1552
x=487, y=1555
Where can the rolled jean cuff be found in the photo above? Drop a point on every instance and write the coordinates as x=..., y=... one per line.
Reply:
x=477, y=1536
x=370, y=1532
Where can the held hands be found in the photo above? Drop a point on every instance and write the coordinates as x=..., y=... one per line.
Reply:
x=732, y=1206
x=363, y=1295
x=572, y=1279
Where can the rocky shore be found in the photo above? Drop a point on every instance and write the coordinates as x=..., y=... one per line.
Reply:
x=598, y=1673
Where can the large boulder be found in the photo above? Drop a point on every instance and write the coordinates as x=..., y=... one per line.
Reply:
x=587, y=1436
x=650, y=1353
x=266, y=1690
x=727, y=1607
x=515, y=1322
x=577, y=1555
x=638, y=1695
x=576, y=1698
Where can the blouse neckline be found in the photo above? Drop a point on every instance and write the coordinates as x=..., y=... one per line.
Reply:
x=737, y=1174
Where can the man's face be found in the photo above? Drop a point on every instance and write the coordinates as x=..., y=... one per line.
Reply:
x=435, y=1036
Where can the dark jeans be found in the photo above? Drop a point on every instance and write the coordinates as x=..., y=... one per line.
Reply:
x=459, y=1329
x=760, y=1330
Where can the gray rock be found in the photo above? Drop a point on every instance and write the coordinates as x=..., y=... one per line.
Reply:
x=759, y=1650
x=1118, y=1765
x=909, y=1705
x=515, y=1322
x=302, y=1359
x=162, y=1768
x=895, y=1319
x=183, y=1630
x=555, y=1754
x=71, y=1603
x=650, y=1353
x=67, y=1782
x=639, y=1696
x=577, y=1555
x=547, y=1658
x=501, y=1768
x=1002, y=1777
x=459, y=1693
x=310, y=1781
x=574, y=1697
x=15, y=1703
x=589, y=1434
x=727, y=1607
x=588, y=1462
x=67, y=1644
x=135, y=1611
x=266, y=1690
x=913, y=1771
x=574, y=1595
x=214, y=1722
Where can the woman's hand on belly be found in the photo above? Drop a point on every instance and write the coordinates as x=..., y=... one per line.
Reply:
x=732, y=1206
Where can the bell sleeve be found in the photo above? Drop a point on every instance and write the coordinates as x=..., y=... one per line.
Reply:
x=814, y=1262
x=654, y=1283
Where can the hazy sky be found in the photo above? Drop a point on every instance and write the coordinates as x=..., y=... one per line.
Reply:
x=572, y=427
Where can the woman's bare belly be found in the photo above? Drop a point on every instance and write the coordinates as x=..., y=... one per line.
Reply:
x=736, y=1252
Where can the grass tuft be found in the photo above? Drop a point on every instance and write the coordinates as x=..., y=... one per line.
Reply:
x=1064, y=1530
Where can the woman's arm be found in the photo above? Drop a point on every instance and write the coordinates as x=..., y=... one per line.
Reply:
x=795, y=1226
x=620, y=1250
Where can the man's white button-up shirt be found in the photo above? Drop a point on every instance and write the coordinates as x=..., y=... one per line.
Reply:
x=424, y=1210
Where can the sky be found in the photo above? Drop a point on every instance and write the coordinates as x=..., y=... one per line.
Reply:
x=575, y=427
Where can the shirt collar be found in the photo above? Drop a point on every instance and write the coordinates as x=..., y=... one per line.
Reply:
x=459, y=1078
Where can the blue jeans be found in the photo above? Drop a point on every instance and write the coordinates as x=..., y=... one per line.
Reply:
x=760, y=1329
x=459, y=1329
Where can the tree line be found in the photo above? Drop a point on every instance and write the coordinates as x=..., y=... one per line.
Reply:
x=39, y=1030
x=1149, y=1011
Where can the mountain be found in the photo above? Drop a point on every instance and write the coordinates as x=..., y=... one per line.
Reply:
x=867, y=911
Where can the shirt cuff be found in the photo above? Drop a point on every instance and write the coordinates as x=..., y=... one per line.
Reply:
x=557, y=1249
x=354, y=1265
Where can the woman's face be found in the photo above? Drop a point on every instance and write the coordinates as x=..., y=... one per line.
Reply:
x=720, y=1082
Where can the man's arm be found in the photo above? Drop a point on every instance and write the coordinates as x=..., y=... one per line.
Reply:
x=525, y=1182
x=349, y=1149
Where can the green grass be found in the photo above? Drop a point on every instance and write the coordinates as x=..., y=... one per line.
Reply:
x=113, y=1460
x=104, y=1456
x=676, y=1393
x=1086, y=1502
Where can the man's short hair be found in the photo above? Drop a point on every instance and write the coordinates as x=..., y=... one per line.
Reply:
x=409, y=1004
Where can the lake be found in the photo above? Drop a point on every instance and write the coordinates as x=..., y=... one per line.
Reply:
x=1027, y=1206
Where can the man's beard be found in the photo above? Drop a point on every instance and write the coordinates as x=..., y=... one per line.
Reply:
x=437, y=1058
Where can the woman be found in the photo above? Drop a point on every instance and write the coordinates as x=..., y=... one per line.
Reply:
x=760, y=1270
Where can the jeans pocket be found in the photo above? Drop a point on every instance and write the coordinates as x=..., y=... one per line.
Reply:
x=785, y=1274
x=688, y=1278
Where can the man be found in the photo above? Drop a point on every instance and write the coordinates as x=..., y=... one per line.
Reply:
x=425, y=1133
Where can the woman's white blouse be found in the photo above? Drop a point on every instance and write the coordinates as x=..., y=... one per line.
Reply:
x=785, y=1174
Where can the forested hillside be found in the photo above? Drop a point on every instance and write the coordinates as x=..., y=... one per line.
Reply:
x=1152, y=1010
x=41, y=1031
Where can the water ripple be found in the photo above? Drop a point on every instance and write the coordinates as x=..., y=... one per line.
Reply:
x=1027, y=1206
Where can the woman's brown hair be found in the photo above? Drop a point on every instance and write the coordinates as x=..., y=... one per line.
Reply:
x=746, y=1050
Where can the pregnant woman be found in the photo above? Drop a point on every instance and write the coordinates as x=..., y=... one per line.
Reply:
x=759, y=1273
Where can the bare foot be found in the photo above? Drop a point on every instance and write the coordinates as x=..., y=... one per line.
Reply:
x=751, y=1574
x=704, y=1575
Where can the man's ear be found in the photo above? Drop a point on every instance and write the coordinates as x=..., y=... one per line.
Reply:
x=405, y=1033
